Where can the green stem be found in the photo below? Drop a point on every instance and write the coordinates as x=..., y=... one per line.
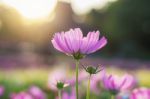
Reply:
x=77, y=70
x=59, y=94
x=88, y=88
x=112, y=96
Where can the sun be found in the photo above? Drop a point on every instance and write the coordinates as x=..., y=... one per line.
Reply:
x=32, y=9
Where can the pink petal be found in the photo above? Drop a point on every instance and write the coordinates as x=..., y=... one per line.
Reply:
x=55, y=44
x=83, y=45
x=59, y=43
x=101, y=43
x=89, y=39
x=72, y=40
x=93, y=41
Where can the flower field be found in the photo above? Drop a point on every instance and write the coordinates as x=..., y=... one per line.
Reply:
x=16, y=81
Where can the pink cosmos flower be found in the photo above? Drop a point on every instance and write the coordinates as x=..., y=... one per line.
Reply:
x=37, y=93
x=57, y=78
x=1, y=90
x=21, y=95
x=73, y=43
x=95, y=81
x=66, y=95
x=114, y=83
x=83, y=76
x=69, y=96
x=141, y=93
x=123, y=95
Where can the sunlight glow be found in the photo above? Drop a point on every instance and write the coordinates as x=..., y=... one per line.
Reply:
x=0, y=24
x=32, y=9
x=85, y=6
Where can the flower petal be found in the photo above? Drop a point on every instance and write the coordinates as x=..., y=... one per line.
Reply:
x=60, y=44
x=101, y=43
x=56, y=43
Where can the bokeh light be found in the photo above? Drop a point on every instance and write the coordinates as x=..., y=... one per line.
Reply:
x=85, y=6
x=32, y=9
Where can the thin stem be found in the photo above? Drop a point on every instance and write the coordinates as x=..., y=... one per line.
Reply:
x=88, y=88
x=112, y=96
x=77, y=70
x=59, y=94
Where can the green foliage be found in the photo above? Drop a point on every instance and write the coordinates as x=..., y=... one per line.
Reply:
x=126, y=25
x=15, y=81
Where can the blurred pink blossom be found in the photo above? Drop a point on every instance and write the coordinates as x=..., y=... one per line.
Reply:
x=56, y=77
x=140, y=93
x=68, y=95
x=37, y=93
x=115, y=83
x=21, y=95
x=95, y=81
x=123, y=95
x=72, y=42
x=1, y=90
x=82, y=76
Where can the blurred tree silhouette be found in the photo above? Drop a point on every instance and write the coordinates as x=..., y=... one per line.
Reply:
x=9, y=24
x=126, y=23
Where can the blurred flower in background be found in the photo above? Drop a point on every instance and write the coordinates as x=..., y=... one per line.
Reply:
x=115, y=84
x=140, y=93
x=21, y=95
x=37, y=93
x=68, y=95
x=57, y=79
x=82, y=77
x=2, y=89
x=96, y=82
